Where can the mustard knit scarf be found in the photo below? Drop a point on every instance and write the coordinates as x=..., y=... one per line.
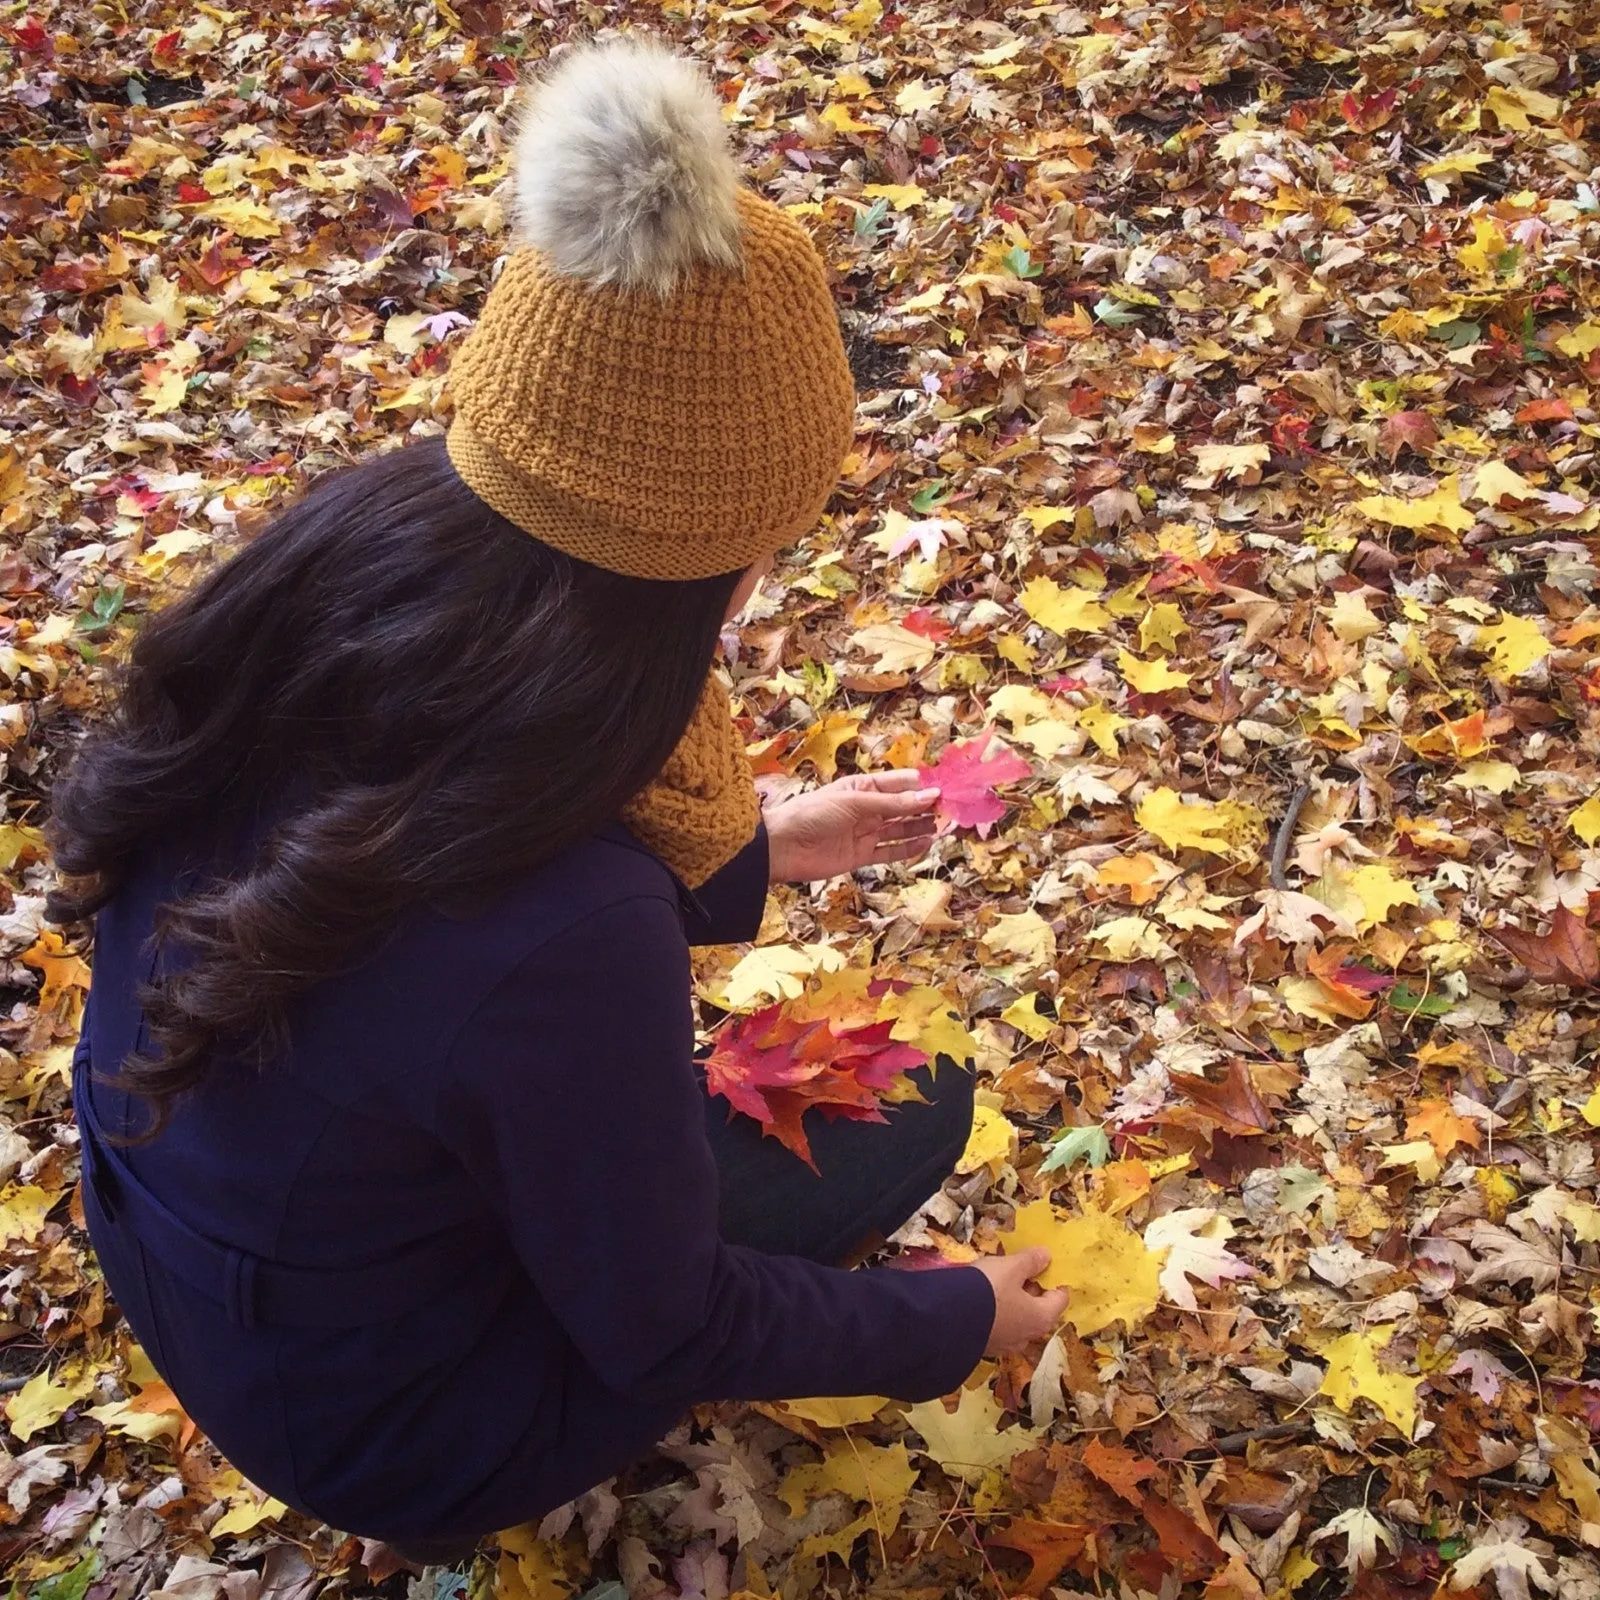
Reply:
x=702, y=808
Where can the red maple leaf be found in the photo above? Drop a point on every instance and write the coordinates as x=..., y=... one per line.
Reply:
x=967, y=783
x=775, y=1067
x=1567, y=954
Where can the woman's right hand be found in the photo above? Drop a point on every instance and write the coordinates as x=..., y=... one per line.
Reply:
x=1021, y=1316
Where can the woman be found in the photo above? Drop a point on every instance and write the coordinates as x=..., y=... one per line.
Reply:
x=396, y=1159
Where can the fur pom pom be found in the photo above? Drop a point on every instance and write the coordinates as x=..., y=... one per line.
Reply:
x=622, y=169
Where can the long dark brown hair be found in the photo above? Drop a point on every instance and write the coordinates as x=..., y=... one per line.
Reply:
x=439, y=703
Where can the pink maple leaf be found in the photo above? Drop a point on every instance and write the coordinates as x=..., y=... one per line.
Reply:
x=967, y=782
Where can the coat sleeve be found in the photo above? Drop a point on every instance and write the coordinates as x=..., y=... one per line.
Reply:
x=729, y=905
x=571, y=1096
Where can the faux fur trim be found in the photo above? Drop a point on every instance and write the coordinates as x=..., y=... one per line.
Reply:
x=622, y=170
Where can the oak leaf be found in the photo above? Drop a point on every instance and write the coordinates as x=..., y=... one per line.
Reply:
x=1048, y=1545
x=1118, y=1467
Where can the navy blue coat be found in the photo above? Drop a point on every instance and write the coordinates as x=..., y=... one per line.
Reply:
x=483, y=1153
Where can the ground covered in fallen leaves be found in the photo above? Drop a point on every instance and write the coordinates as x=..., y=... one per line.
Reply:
x=1222, y=531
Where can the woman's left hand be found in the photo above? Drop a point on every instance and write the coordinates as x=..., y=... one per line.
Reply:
x=850, y=823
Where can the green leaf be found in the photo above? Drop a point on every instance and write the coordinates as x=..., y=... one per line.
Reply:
x=928, y=496
x=1411, y=1002
x=1020, y=264
x=69, y=1585
x=1077, y=1144
x=1300, y=1187
x=1458, y=334
x=869, y=223
x=1114, y=313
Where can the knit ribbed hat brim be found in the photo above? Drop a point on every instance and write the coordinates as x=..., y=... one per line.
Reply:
x=579, y=529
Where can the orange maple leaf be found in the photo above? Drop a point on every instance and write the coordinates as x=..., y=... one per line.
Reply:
x=1435, y=1121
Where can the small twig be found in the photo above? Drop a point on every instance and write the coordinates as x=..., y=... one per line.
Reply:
x=1234, y=1444
x=1280, y=845
x=1506, y=1483
x=11, y=1385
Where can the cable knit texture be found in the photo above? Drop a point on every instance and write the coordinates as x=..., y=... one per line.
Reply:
x=702, y=809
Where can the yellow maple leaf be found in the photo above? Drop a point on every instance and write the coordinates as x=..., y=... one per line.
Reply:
x=1350, y=617
x=1494, y=480
x=1493, y=777
x=1353, y=1373
x=1582, y=341
x=1074, y=610
x=1042, y=517
x=968, y=1442
x=1585, y=1220
x=1132, y=939
x=23, y=1208
x=1045, y=725
x=1231, y=461
x=247, y=1513
x=897, y=648
x=1515, y=644
x=1457, y=162
x=43, y=1400
x=1102, y=724
x=824, y=739
x=1161, y=626
x=840, y=118
x=163, y=389
x=1512, y=107
x=1023, y=1015
x=918, y=95
x=1112, y=1276
x=1185, y=823
x=1417, y=1153
x=923, y=1016
x=838, y=1413
x=247, y=218
x=902, y=196
x=1150, y=677
x=1308, y=997
x=146, y=1423
x=1024, y=934
x=880, y=1475
x=993, y=1140
x=1365, y=895
x=1585, y=821
x=774, y=972
x=164, y=309
x=1441, y=509
x=1489, y=244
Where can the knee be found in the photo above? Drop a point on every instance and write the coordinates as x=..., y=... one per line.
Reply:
x=952, y=1094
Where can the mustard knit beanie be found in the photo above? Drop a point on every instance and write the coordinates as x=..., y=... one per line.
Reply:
x=657, y=384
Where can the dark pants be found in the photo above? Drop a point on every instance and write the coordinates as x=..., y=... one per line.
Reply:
x=873, y=1175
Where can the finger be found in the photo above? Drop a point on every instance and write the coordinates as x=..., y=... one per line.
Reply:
x=1053, y=1304
x=1033, y=1260
x=907, y=803
x=895, y=781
